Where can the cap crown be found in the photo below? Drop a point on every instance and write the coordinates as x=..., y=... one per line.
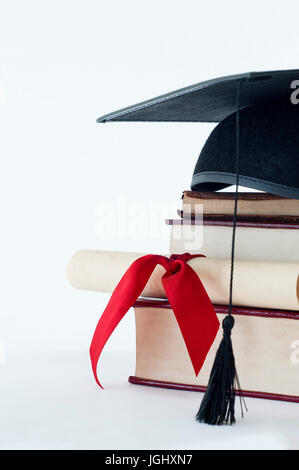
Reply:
x=268, y=156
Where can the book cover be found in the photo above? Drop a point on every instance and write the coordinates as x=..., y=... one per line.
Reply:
x=266, y=345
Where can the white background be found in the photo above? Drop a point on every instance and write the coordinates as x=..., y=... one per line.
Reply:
x=63, y=63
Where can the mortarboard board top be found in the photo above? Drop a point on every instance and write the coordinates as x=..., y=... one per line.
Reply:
x=211, y=100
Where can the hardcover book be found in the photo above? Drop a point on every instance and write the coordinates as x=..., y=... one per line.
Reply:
x=249, y=204
x=266, y=346
x=257, y=239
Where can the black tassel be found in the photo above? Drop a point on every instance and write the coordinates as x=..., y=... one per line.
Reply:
x=218, y=404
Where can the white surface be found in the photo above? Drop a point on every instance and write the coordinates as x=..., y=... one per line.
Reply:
x=49, y=399
x=53, y=403
x=62, y=64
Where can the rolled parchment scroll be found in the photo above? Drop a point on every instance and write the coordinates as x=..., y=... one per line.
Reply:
x=256, y=284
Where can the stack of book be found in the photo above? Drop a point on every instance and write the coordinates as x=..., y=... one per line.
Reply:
x=266, y=342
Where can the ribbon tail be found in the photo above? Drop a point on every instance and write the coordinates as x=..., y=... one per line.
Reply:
x=194, y=312
x=125, y=294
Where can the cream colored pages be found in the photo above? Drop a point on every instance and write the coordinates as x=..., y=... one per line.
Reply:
x=246, y=206
x=254, y=244
x=256, y=284
x=263, y=348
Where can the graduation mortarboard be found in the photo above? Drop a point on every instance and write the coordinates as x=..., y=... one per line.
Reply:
x=255, y=144
x=269, y=122
x=211, y=100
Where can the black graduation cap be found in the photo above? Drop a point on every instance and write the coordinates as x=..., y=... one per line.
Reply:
x=269, y=158
x=211, y=100
x=256, y=144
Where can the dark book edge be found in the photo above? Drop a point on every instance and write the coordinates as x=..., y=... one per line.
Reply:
x=249, y=311
x=199, y=388
x=245, y=196
x=226, y=221
x=266, y=219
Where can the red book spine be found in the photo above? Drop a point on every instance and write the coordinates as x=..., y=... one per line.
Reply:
x=198, y=388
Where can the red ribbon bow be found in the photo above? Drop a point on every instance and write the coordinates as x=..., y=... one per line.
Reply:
x=186, y=294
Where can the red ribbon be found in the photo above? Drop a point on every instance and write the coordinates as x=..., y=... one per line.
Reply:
x=186, y=294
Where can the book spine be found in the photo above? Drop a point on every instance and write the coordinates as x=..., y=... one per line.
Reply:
x=254, y=312
x=198, y=388
x=254, y=222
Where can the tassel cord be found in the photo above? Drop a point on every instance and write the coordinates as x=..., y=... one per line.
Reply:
x=218, y=404
x=236, y=199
